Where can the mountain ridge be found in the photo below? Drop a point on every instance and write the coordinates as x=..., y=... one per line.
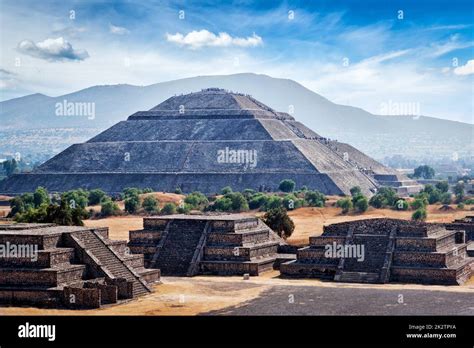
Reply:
x=354, y=125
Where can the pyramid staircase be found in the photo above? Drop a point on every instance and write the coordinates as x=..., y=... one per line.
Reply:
x=394, y=250
x=186, y=245
x=109, y=262
x=73, y=267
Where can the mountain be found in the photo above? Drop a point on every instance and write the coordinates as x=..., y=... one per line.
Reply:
x=376, y=135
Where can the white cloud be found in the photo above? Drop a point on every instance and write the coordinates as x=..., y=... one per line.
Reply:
x=118, y=30
x=467, y=69
x=196, y=39
x=52, y=50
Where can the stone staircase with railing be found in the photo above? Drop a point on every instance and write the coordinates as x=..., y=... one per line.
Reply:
x=112, y=265
x=186, y=245
x=73, y=267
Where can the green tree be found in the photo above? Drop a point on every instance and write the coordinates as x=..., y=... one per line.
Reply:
x=132, y=204
x=419, y=203
x=445, y=198
x=40, y=196
x=345, y=204
x=401, y=204
x=458, y=190
x=273, y=202
x=279, y=221
x=290, y=202
x=239, y=203
x=314, y=198
x=226, y=190
x=197, y=200
x=76, y=198
x=131, y=191
x=424, y=171
x=361, y=204
x=419, y=214
x=223, y=204
x=150, y=204
x=168, y=209
x=287, y=185
x=356, y=191
x=377, y=201
x=96, y=196
x=257, y=200
x=108, y=207
x=443, y=186
x=184, y=208
x=178, y=190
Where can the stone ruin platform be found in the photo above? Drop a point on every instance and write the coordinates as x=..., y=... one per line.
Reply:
x=466, y=224
x=187, y=245
x=72, y=267
x=394, y=251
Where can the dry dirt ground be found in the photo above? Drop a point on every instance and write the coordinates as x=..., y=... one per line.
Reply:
x=269, y=294
x=308, y=221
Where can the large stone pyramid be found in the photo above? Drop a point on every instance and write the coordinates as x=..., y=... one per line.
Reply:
x=205, y=141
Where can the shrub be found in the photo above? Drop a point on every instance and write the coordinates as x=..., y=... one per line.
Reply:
x=52, y=213
x=356, y=191
x=345, y=204
x=424, y=171
x=196, y=200
x=132, y=204
x=401, y=204
x=226, y=190
x=223, y=204
x=184, y=208
x=279, y=221
x=273, y=202
x=314, y=199
x=419, y=203
x=40, y=196
x=147, y=190
x=178, y=190
x=458, y=190
x=287, y=185
x=109, y=207
x=239, y=203
x=290, y=202
x=361, y=204
x=461, y=205
x=469, y=201
x=168, y=209
x=96, y=196
x=131, y=191
x=257, y=200
x=150, y=204
x=377, y=201
x=248, y=194
x=442, y=186
x=445, y=198
x=385, y=196
x=419, y=214
x=76, y=198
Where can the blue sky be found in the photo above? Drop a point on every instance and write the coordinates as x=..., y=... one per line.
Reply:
x=361, y=53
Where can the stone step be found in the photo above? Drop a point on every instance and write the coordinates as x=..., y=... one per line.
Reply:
x=42, y=259
x=50, y=277
x=358, y=277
